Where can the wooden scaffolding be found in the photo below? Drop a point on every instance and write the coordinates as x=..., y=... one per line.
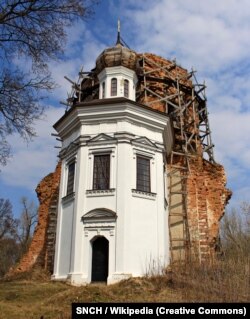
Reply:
x=183, y=99
x=164, y=85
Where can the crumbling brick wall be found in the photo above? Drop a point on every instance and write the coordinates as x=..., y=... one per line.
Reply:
x=207, y=194
x=207, y=197
x=39, y=250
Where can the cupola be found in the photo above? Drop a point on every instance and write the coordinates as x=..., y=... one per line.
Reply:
x=116, y=68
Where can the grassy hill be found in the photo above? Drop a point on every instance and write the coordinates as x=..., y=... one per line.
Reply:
x=33, y=295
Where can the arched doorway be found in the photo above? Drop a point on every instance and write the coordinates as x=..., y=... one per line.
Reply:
x=100, y=259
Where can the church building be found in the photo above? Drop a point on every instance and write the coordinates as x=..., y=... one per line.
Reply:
x=137, y=186
x=112, y=214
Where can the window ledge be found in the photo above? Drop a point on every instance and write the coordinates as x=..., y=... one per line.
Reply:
x=100, y=192
x=142, y=194
x=68, y=198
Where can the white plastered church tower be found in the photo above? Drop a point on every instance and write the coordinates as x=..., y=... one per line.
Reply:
x=112, y=212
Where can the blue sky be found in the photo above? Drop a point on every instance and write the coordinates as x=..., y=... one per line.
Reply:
x=210, y=36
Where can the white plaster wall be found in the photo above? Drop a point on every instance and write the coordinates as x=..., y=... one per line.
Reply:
x=138, y=240
x=124, y=183
x=70, y=138
x=121, y=126
x=120, y=73
x=65, y=240
x=144, y=236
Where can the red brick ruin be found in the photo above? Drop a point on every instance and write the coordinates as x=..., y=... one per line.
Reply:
x=197, y=184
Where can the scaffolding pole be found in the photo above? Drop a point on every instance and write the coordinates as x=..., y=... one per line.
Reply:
x=185, y=103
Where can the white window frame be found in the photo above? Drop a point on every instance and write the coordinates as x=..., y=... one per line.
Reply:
x=66, y=173
x=151, y=156
x=112, y=177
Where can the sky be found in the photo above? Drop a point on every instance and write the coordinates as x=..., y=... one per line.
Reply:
x=213, y=37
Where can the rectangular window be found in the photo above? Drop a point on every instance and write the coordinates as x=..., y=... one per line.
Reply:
x=101, y=171
x=114, y=87
x=126, y=88
x=103, y=90
x=71, y=178
x=143, y=174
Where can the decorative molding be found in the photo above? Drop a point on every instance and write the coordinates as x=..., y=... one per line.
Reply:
x=124, y=137
x=145, y=141
x=106, y=225
x=142, y=152
x=102, y=150
x=100, y=192
x=101, y=213
x=101, y=139
x=142, y=194
x=69, y=151
x=68, y=198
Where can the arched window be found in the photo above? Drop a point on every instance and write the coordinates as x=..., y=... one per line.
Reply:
x=103, y=90
x=126, y=88
x=114, y=87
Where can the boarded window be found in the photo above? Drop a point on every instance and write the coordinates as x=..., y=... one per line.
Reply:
x=103, y=90
x=71, y=178
x=114, y=87
x=143, y=174
x=126, y=88
x=101, y=171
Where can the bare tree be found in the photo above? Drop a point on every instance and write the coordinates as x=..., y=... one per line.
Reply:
x=27, y=221
x=8, y=224
x=245, y=207
x=235, y=231
x=35, y=31
x=9, y=247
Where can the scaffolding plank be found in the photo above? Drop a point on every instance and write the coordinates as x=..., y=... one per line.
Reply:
x=176, y=205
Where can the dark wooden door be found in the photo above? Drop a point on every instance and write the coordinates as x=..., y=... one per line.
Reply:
x=100, y=258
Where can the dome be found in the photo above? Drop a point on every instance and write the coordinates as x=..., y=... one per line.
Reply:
x=116, y=56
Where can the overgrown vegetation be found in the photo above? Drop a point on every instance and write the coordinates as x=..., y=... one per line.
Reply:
x=34, y=295
x=225, y=279
x=235, y=232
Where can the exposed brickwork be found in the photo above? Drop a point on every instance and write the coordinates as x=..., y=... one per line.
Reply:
x=38, y=251
x=155, y=81
x=207, y=194
x=207, y=198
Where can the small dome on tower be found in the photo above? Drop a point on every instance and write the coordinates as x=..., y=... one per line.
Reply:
x=116, y=56
x=116, y=71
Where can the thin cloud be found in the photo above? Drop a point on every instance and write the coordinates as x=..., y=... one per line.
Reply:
x=212, y=37
x=32, y=161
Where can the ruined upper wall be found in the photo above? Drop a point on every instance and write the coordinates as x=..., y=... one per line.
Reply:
x=207, y=197
x=160, y=77
x=206, y=189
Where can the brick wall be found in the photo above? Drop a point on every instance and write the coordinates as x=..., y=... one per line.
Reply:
x=207, y=197
x=206, y=183
x=39, y=250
